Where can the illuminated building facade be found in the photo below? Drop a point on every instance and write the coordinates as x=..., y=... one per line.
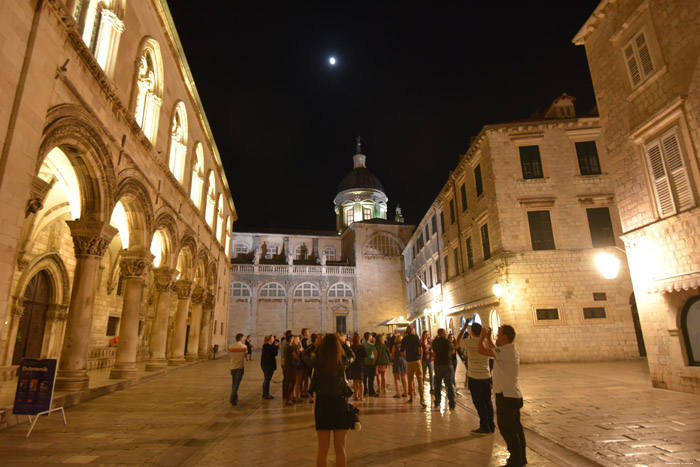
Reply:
x=512, y=238
x=116, y=214
x=643, y=57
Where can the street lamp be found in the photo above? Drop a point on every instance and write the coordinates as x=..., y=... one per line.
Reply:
x=608, y=265
x=497, y=290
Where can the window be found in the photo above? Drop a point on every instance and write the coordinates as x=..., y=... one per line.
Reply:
x=221, y=328
x=477, y=180
x=273, y=290
x=447, y=269
x=419, y=241
x=340, y=290
x=366, y=213
x=456, y=253
x=452, y=211
x=197, y=176
x=301, y=252
x=690, y=324
x=229, y=227
x=442, y=221
x=100, y=29
x=382, y=245
x=587, y=154
x=178, y=142
x=640, y=64
x=547, y=314
x=433, y=222
x=437, y=271
x=112, y=325
x=470, y=253
x=541, y=230
x=211, y=200
x=599, y=296
x=239, y=289
x=271, y=252
x=427, y=233
x=341, y=325
x=350, y=215
x=120, y=284
x=329, y=251
x=463, y=192
x=530, y=162
x=150, y=90
x=430, y=270
x=600, y=225
x=220, y=217
x=240, y=250
x=485, y=244
x=669, y=174
x=597, y=312
x=307, y=290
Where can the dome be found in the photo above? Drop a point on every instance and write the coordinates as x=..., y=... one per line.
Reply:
x=360, y=177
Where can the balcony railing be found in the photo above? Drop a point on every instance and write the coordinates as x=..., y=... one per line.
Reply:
x=298, y=270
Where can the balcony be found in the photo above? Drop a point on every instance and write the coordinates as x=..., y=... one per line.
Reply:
x=294, y=270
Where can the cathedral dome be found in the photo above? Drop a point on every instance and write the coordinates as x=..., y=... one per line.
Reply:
x=360, y=177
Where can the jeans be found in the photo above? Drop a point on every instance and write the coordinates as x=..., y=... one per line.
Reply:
x=446, y=373
x=428, y=366
x=508, y=415
x=480, y=390
x=268, y=370
x=370, y=371
x=236, y=376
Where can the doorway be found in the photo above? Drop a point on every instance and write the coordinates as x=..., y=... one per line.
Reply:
x=637, y=327
x=30, y=332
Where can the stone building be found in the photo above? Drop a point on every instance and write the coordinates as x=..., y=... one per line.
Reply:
x=116, y=214
x=348, y=280
x=643, y=57
x=512, y=238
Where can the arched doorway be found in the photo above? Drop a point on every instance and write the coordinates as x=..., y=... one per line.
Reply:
x=30, y=332
x=690, y=323
x=637, y=327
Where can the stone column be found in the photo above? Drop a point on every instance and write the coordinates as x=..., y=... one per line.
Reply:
x=184, y=290
x=195, y=324
x=17, y=313
x=205, y=330
x=55, y=320
x=134, y=264
x=163, y=279
x=90, y=241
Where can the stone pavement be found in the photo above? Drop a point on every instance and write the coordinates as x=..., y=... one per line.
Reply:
x=574, y=414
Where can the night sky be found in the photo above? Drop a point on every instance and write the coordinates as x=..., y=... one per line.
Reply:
x=415, y=79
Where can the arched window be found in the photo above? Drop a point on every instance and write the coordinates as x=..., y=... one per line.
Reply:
x=240, y=250
x=273, y=290
x=178, y=142
x=307, y=290
x=301, y=252
x=149, y=83
x=239, y=289
x=329, y=251
x=340, y=290
x=197, y=176
x=101, y=29
x=211, y=200
x=382, y=245
x=227, y=245
x=690, y=323
x=219, y=217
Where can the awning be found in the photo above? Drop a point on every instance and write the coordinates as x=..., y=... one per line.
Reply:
x=395, y=322
x=675, y=283
x=492, y=300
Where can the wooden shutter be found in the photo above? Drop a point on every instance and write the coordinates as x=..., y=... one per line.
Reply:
x=662, y=187
x=632, y=66
x=677, y=170
x=644, y=54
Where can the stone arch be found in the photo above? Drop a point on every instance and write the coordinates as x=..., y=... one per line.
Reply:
x=383, y=244
x=166, y=226
x=69, y=128
x=186, y=257
x=201, y=267
x=53, y=264
x=212, y=276
x=147, y=91
x=137, y=203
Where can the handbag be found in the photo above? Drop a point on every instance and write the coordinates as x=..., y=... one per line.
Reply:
x=353, y=414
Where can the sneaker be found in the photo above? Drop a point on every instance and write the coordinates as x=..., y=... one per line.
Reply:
x=481, y=431
x=422, y=402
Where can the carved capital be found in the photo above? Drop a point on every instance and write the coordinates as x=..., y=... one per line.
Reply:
x=209, y=301
x=91, y=238
x=18, y=308
x=135, y=263
x=183, y=288
x=198, y=295
x=163, y=278
x=110, y=287
x=57, y=312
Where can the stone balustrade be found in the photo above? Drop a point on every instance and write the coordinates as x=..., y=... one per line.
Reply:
x=299, y=270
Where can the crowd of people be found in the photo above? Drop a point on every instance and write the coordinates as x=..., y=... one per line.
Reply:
x=328, y=370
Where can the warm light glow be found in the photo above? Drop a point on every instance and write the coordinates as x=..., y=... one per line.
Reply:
x=120, y=221
x=608, y=265
x=331, y=60
x=58, y=165
x=157, y=249
x=498, y=290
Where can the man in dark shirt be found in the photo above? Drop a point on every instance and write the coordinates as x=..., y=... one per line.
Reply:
x=413, y=353
x=443, y=350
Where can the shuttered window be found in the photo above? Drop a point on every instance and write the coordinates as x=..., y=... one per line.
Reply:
x=541, y=230
x=470, y=253
x=477, y=181
x=463, y=192
x=530, y=162
x=640, y=64
x=669, y=174
x=600, y=226
x=485, y=243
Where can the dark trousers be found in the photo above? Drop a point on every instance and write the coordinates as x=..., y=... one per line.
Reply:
x=480, y=390
x=444, y=373
x=508, y=416
x=288, y=382
x=236, y=377
x=370, y=371
x=268, y=370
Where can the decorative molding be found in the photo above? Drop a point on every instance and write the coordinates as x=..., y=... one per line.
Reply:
x=545, y=202
x=57, y=312
x=183, y=288
x=198, y=295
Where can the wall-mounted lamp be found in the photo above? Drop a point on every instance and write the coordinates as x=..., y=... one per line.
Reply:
x=608, y=265
x=497, y=290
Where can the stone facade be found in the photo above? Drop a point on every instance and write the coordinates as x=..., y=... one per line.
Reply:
x=113, y=200
x=528, y=207
x=643, y=57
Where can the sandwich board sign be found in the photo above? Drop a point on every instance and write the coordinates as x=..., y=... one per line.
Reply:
x=35, y=383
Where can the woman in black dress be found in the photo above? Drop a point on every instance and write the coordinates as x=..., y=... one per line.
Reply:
x=329, y=362
x=268, y=363
x=357, y=368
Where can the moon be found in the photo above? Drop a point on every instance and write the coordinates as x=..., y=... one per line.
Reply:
x=331, y=60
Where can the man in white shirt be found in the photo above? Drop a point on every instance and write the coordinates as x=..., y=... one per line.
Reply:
x=478, y=379
x=509, y=399
x=238, y=351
